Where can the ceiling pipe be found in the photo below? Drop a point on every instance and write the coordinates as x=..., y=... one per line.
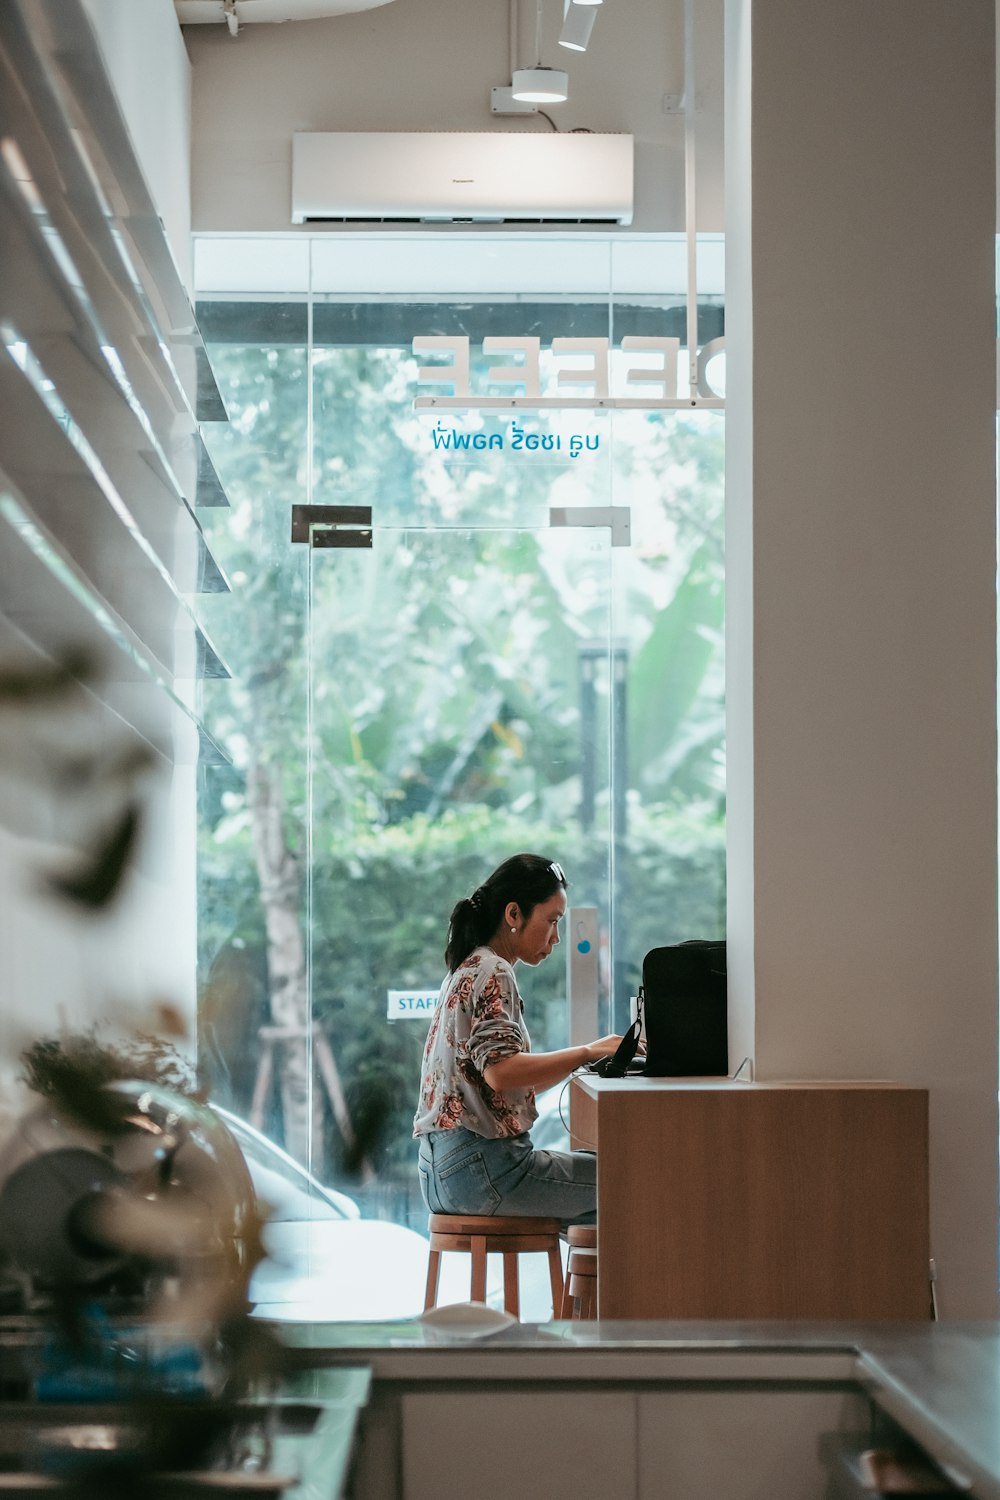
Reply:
x=691, y=193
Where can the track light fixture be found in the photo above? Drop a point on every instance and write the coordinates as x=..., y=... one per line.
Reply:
x=540, y=85
x=529, y=87
x=578, y=23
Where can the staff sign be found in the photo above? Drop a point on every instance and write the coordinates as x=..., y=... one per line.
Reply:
x=411, y=1005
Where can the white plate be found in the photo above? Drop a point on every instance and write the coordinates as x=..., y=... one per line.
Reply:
x=466, y=1319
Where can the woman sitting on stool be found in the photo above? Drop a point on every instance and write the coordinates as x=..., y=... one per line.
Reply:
x=479, y=1075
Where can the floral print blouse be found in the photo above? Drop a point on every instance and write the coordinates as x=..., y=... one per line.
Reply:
x=477, y=1020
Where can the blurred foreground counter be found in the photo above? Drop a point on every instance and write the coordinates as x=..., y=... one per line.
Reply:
x=648, y=1409
x=294, y=1438
x=723, y=1199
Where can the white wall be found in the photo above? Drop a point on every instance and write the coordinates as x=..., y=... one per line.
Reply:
x=430, y=65
x=148, y=66
x=56, y=966
x=861, y=463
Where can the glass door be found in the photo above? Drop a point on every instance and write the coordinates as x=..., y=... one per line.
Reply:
x=461, y=708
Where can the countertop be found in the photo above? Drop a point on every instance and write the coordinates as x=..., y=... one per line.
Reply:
x=939, y=1381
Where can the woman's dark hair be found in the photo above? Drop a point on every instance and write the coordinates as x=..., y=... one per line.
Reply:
x=527, y=879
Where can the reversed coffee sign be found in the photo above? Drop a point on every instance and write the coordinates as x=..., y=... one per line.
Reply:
x=593, y=369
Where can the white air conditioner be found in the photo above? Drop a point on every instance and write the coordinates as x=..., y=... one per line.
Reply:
x=461, y=177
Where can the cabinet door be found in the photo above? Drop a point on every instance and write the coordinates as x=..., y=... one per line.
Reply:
x=496, y=1444
x=742, y=1444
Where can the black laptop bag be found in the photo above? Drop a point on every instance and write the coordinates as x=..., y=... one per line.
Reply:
x=685, y=1007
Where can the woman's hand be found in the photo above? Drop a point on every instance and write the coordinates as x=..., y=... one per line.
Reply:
x=539, y=1070
x=604, y=1046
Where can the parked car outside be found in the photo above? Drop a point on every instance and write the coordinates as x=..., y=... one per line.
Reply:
x=288, y=1189
x=325, y=1263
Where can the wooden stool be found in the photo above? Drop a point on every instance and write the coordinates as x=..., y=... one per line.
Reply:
x=479, y=1235
x=581, y=1281
x=578, y=1237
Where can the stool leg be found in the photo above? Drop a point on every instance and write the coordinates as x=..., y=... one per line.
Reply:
x=589, y=1309
x=478, y=1247
x=511, y=1295
x=566, y=1301
x=433, y=1273
x=556, y=1280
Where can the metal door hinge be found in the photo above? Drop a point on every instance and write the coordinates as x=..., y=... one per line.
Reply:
x=617, y=517
x=332, y=525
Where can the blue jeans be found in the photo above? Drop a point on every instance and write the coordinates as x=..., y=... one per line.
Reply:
x=465, y=1173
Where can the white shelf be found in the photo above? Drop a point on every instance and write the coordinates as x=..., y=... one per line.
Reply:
x=38, y=306
x=142, y=474
x=50, y=607
x=93, y=524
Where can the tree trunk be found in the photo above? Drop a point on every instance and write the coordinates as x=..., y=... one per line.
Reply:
x=280, y=888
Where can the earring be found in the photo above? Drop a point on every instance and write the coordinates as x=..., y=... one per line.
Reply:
x=513, y=929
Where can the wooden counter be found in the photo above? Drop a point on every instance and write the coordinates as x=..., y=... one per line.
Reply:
x=731, y=1200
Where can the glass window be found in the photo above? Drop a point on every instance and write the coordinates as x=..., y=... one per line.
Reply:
x=477, y=681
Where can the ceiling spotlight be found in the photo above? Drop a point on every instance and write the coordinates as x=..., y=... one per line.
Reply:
x=578, y=23
x=541, y=85
x=590, y=4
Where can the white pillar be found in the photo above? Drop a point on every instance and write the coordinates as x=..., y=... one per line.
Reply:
x=862, y=604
